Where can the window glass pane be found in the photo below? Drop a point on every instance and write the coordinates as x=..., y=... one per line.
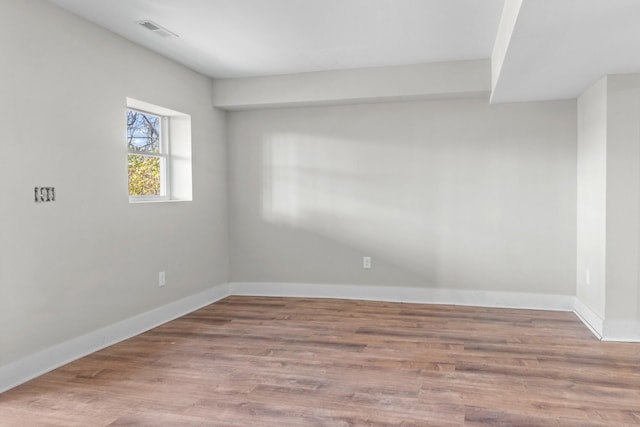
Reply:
x=144, y=175
x=143, y=132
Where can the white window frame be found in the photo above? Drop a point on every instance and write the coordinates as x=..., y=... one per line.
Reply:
x=164, y=155
x=175, y=140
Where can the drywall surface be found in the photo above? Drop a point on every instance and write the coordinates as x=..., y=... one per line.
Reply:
x=508, y=21
x=418, y=81
x=591, y=209
x=91, y=259
x=451, y=194
x=623, y=196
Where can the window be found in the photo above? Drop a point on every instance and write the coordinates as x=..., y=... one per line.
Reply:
x=159, y=153
x=148, y=153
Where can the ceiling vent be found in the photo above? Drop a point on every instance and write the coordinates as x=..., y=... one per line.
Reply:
x=157, y=29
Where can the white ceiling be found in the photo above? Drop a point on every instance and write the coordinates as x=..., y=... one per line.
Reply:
x=240, y=38
x=557, y=50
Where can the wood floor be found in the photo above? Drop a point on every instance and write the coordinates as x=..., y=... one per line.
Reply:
x=248, y=361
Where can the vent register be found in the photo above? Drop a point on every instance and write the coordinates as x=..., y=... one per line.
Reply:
x=158, y=29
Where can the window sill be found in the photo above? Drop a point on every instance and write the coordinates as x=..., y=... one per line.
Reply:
x=143, y=201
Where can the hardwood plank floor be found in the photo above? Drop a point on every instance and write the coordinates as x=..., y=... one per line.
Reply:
x=248, y=361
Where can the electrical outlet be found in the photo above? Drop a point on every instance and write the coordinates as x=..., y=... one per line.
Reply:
x=161, y=279
x=366, y=262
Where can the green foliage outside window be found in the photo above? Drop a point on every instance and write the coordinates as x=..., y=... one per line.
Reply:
x=144, y=175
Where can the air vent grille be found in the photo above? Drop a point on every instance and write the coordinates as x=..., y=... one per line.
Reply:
x=157, y=29
x=149, y=25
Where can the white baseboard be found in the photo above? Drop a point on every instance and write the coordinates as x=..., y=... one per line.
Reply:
x=590, y=318
x=39, y=363
x=621, y=331
x=408, y=294
x=610, y=329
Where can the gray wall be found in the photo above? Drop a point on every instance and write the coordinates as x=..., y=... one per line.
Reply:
x=451, y=194
x=591, y=212
x=623, y=198
x=91, y=259
x=609, y=203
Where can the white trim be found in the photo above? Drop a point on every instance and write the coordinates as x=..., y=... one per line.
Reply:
x=590, y=318
x=408, y=294
x=621, y=331
x=39, y=363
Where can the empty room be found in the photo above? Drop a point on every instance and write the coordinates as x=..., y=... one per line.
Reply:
x=320, y=213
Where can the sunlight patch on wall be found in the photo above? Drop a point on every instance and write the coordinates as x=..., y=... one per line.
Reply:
x=340, y=189
x=429, y=208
